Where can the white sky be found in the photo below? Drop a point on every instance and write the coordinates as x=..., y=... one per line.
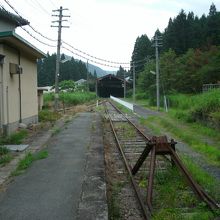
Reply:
x=103, y=28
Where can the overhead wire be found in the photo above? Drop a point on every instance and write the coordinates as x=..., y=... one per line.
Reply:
x=91, y=60
x=94, y=58
x=108, y=61
x=41, y=7
x=52, y=3
x=9, y=4
x=46, y=44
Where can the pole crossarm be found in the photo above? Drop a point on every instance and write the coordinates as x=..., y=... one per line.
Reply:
x=59, y=26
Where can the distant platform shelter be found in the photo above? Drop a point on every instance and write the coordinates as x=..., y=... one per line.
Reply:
x=110, y=85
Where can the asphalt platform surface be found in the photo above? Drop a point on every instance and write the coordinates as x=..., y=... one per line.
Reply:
x=57, y=187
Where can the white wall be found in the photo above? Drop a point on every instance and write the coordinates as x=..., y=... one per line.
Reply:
x=125, y=104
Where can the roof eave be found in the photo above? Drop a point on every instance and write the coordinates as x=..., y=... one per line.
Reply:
x=11, y=34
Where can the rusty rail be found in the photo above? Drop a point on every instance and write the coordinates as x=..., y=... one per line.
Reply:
x=159, y=146
x=144, y=209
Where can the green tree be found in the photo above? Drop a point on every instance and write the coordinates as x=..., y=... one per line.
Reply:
x=121, y=73
x=142, y=50
x=67, y=85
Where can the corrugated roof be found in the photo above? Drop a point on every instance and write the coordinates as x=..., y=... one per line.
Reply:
x=17, y=20
x=109, y=76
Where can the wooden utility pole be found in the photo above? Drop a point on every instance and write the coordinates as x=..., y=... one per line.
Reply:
x=87, y=75
x=57, y=72
x=124, y=85
x=134, y=81
x=157, y=44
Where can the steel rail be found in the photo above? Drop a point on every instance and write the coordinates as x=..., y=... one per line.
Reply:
x=145, y=211
x=195, y=187
x=212, y=204
x=117, y=109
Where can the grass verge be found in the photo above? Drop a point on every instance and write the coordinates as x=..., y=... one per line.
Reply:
x=187, y=134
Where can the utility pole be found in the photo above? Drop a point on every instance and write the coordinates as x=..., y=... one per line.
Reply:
x=87, y=80
x=133, y=81
x=57, y=72
x=157, y=44
x=124, y=85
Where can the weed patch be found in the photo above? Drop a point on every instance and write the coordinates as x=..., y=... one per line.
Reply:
x=3, y=150
x=48, y=116
x=28, y=160
x=114, y=210
x=55, y=130
x=5, y=159
x=15, y=138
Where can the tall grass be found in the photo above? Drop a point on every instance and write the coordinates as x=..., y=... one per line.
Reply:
x=71, y=98
x=15, y=138
x=77, y=97
x=207, y=102
x=202, y=107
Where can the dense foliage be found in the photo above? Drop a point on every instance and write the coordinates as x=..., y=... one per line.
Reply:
x=189, y=56
x=69, y=70
x=202, y=107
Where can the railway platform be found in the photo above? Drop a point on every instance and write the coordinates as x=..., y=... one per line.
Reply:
x=68, y=184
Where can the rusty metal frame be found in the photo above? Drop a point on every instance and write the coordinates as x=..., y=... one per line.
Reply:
x=175, y=160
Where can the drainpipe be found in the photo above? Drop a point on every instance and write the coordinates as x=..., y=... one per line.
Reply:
x=1, y=98
x=7, y=105
x=19, y=87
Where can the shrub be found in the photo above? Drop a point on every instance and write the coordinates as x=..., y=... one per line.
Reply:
x=3, y=150
x=48, y=116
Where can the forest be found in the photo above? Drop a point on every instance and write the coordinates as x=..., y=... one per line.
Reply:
x=69, y=70
x=189, y=55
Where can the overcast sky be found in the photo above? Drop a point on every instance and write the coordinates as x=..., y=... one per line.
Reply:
x=103, y=28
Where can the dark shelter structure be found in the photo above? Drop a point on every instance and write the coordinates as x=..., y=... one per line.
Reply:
x=110, y=85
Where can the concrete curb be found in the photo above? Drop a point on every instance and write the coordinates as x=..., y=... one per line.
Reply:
x=93, y=204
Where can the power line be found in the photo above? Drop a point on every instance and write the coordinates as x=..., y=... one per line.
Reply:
x=97, y=58
x=85, y=53
x=91, y=60
x=42, y=8
x=20, y=25
x=94, y=58
x=52, y=3
x=8, y=3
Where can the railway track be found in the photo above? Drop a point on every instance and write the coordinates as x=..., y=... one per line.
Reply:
x=151, y=163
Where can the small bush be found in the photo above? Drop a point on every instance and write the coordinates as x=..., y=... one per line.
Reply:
x=48, y=116
x=26, y=162
x=140, y=96
x=5, y=159
x=15, y=138
x=3, y=150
